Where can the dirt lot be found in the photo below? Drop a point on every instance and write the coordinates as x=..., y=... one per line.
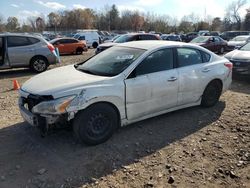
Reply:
x=194, y=147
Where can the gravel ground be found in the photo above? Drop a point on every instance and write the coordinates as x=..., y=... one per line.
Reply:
x=193, y=147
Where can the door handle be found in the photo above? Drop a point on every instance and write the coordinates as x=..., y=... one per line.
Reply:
x=172, y=79
x=206, y=70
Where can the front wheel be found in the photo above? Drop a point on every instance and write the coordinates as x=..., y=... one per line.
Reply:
x=211, y=94
x=96, y=124
x=39, y=64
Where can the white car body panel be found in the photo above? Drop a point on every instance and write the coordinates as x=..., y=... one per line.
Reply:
x=135, y=98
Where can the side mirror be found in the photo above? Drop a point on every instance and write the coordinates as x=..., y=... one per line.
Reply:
x=57, y=43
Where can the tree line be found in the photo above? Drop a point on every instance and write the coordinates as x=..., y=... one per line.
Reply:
x=111, y=19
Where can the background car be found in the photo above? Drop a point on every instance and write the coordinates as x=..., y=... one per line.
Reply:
x=69, y=45
x=189, y=36
x=241, y=61
x=213, y=43
x=22, y=50
x=237, y=42
x=228, y=35
x=127, y=38
x=171, y=37
x=91, y=37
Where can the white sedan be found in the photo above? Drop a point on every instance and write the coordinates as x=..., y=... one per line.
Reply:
x=124, y=84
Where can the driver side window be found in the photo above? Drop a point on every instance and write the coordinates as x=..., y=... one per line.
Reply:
x=160, y=60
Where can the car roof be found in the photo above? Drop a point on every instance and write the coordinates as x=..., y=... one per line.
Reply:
x=141, y=34
x=19, y=35
x=243, y=36
x=153, y=44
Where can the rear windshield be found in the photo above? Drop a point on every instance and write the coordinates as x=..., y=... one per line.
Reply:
x=245, y=47
x=123, y=38
x=200, y=39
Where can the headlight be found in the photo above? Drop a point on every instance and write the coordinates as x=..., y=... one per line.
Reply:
x=57, y=106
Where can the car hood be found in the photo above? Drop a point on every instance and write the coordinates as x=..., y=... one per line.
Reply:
x=238, y=55
x=236, y=43
x=60, y=82
x=107, y=45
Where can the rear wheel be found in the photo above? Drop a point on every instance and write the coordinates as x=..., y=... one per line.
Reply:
x=211, y=94
x=96, y=124
x=39, y=64
x=94, y=45
x=79, y=51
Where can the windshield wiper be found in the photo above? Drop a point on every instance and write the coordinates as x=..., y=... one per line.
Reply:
x=87, y=71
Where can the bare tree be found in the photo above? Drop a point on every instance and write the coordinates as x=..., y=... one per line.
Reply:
x=2, y=25
x=40, y=24
x=12, y=24
x=232, y=13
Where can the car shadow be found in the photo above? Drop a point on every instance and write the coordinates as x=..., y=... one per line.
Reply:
x=69, y=163
x=15, y=73
x=241, y=85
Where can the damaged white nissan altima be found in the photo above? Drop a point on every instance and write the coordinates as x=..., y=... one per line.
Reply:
x=124, y=84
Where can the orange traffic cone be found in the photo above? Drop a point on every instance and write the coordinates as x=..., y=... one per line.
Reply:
x=16, y=85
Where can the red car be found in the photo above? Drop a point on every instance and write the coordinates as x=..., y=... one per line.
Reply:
x=212, y=43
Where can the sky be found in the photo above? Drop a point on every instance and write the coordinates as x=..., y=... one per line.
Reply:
x=175, y=8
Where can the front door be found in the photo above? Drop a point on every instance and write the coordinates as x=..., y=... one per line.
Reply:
x=152, y=86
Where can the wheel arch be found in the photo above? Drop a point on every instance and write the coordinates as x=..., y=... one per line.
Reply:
x=218, y=80
x=42, y=56
x=114, y=106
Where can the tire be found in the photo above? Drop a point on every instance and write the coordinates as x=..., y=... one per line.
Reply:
x=79, y=51
x=94, y=45
x=96, y=124
x=211, y=94
x=222, y=50
x=39, y=64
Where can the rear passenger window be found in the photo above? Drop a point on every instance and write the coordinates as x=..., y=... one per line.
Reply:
x=15, y=41
x=188, y=56
x=33, y=40
x=205, y=56
x=81, y=38
x=72, y=41
x=158, y=61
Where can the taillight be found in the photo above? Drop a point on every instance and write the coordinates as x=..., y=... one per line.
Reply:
x=229, y=65
x=51, y=47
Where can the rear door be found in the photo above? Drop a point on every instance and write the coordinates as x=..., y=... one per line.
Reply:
x=19, y=50
x=152, y=86
x=194, y=74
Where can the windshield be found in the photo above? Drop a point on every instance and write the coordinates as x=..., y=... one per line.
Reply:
x=111, y=62
x=199, y=40
x=76, y=36
x=242, y=38
x=246, y=47
x=123, y=38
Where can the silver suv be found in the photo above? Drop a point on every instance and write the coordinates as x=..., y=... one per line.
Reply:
x=22, y=50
